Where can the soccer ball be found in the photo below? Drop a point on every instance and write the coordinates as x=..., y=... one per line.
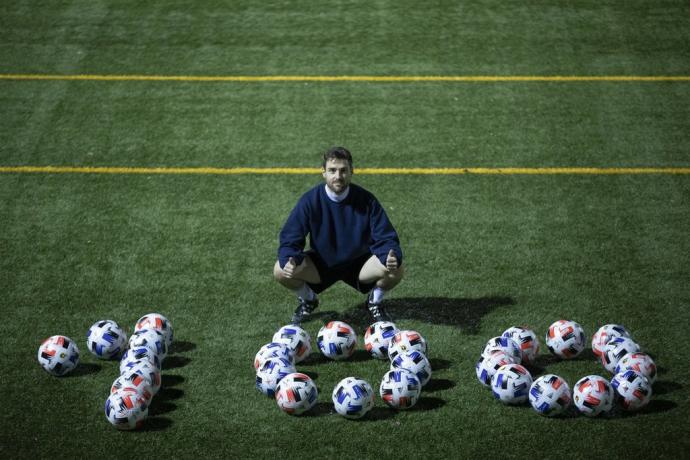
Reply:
x=150, y=338
x=400, y=389
x=526, y=340
x=148, y=371
x=337, y=340
x=549, y=395
x=415, y=362
x=487, y=365
x=511, y=383
x=504, y=344
x=604, y=334
x=593, y=395
x=126, y=410
x=137, y=354
x=353, y=397
x=638, y=362
x=296, y=393
x=58, y=355
x=158, y=322
x=565, y=339
x=615, y=349
x=273, y=350
x=270, y=373
x=106, y=339
x=297, y=340
x=377, y=338
x=404, y=341
x=133, y=382
x=633, y=390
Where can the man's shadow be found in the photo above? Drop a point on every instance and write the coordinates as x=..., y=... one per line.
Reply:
x=460, y=312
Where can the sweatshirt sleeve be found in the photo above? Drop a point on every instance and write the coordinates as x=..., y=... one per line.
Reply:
x=383, y=235
x=294, y=234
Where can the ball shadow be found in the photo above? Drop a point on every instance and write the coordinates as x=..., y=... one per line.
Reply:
x=182, y=346
x=439, y=364
x=378, y=413
x=173, y=362
x=438, y=385
x=156, y=424
x=171, y=380
x=662, y=387
x=426, y=403
x=655, y=406
x=160, y=407
x=84, y=369
x=319, y=410
x=169, y=394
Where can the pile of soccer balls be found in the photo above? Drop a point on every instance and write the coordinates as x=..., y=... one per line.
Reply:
x=141, y=358
x=296, y=393
x=502, y=367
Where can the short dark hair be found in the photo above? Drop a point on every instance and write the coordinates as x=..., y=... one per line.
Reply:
x=340, y=153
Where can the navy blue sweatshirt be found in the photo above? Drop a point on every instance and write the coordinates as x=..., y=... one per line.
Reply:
x=338, y=232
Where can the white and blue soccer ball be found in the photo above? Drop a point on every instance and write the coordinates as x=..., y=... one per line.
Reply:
x=593, y=395
x=415, y=362
x=565, y=339
x=606, y=333
x=504, y=344
x=405, y=341
x=353, y=397
x=526, y=340
x=487, y=365
x=126, y=410
x=297, y=340
x=158, y=322
x=296, y=393
x=58, y=355
x=106, y=340
x=615, y=350
x=150, y=338
x=638, y=362
x=132, y=355
x=273, y=350
x=271, y=372
x=133, y=382
x=633, y=390
x=511, y=383
x=378, y=337
x=148, y=371
x=400, y=389
x=337, y=340
x=550, y=395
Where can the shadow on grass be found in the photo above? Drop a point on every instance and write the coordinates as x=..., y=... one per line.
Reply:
x=319, y=410
x=160, y=407
x=169, y=394
x=438, y=385
x=426, y=403
x=156, y=424
x=173, y=362
x=662, y=387
x=169, y=380
x=439, y=364
x=84, y=369
x=182, y=346
x=544, y=360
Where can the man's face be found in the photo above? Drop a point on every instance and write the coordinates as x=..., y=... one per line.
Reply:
x=338, y=175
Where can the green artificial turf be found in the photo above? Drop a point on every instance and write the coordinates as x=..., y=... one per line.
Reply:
x=482, y=253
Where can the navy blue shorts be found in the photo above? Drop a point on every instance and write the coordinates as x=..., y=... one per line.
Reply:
x=348, y=273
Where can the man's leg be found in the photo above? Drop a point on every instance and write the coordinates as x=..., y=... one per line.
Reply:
x=296, y=281
x=374, y=272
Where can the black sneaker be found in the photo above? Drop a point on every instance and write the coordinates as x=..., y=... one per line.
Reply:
x=304, y=310
x=376, y=310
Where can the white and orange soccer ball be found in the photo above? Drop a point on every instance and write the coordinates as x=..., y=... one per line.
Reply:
x=593, y=395
x=106, y=340
x=58, y=355
x=415, y=362
x=565, y=339
x=378, y=337
x=273, y=350
x=158, y=322
x=297, y=339
x=271, y=372
x=405, y=341
x=615, y=350
x=337, y=340
x=605, y=333
x=638, y=362
x=353, y=397
x=511, y=383
x=504, y=344
x=296, y=393
x=488, y=364
x=633, y=390
x=133, y=382
x=126, y=410
x=150, y=338
x=550, y=395
x=400, y=389
x=527, y=341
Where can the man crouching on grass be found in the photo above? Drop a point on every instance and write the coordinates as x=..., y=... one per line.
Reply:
x=350, y=238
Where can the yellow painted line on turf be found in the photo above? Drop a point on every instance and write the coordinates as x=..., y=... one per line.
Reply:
x=354, y=78
x=371, y=171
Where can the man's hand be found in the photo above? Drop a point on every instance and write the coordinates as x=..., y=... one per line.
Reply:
x=291, y=268
x=391, y=261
